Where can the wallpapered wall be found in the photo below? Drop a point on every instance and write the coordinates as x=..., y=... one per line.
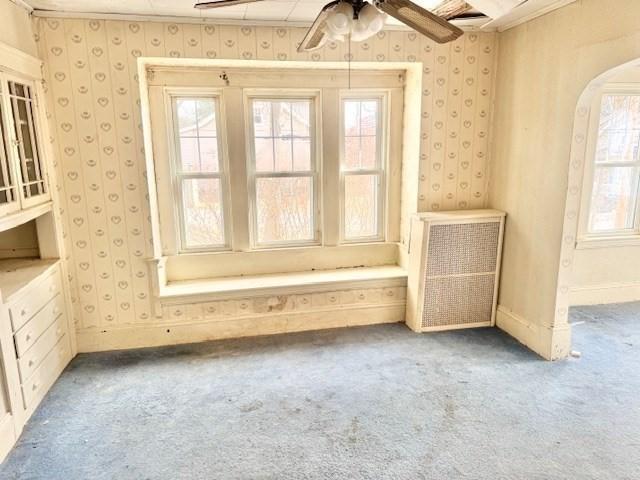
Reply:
x=93, y=107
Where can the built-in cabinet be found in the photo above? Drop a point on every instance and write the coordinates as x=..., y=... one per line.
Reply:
x=37, y=339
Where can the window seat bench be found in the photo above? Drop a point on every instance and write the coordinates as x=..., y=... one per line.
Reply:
x=287, y=283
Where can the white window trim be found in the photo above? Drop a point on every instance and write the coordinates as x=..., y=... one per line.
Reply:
x=170, y=94
x=382, y=135
x=612, y=238
x=315, y=131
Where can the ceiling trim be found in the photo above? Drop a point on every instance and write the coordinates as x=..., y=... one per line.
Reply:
x=520, y=15
x=464, y=24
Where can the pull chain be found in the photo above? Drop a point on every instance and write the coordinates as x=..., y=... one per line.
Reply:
x=349, y=60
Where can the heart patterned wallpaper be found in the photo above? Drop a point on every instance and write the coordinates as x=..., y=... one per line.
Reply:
x=93, y=109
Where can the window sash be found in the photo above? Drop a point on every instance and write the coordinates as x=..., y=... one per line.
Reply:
x=381, y=99
x=253, y=175
x=634, y=211
x=179, y=175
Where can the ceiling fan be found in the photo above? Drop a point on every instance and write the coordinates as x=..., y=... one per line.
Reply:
x=358, y=19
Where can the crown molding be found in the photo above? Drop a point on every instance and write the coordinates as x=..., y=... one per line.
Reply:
x=465, y=24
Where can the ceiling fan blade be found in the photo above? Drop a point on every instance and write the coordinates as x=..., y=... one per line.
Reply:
x=221, y=3
x=317, y=35
x=420, y=20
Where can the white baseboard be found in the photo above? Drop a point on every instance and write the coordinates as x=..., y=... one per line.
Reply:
x=172, y=333
x=551, y=343
x=7, y=434
x=605, y=294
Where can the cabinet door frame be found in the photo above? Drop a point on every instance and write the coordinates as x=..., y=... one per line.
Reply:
x=37, y=132
x=8, y=137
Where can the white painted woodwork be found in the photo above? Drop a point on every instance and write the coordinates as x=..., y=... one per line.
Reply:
x=283, y=283
x=37, y=337
x=419, y=278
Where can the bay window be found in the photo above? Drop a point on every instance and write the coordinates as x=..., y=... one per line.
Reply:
x=249, y=164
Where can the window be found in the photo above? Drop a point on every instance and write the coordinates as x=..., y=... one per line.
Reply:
x=198, y=172
x=362, y=169
x=22, y=105
x=268, y=159
x=282, y=170
x=615, y=177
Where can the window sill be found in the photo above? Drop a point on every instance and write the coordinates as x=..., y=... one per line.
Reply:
x=287, y=283
x=608, y=241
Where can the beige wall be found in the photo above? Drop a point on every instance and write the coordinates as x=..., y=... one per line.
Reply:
x=93, y=102
x=543, y=68
x=16, y=30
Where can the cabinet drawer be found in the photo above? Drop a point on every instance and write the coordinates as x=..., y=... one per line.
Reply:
x=29, y=304
x=52, y=365
x=31, y=331
x=30, y=361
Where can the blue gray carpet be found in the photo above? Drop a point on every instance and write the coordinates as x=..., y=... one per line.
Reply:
x=364, y=403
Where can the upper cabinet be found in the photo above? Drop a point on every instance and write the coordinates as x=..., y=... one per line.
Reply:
x=22, y=176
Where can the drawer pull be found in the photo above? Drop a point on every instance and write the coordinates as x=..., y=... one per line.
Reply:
x=56, y=311
x=31, y=363
x=23, y=312
x=34, y=387
x=27, y=338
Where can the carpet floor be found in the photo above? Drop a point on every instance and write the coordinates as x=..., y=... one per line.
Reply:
x=375, y=402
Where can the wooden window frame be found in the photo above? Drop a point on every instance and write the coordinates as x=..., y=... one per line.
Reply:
x=616, y=237
x=177, y=177
x=382, y=161
x=315, y=168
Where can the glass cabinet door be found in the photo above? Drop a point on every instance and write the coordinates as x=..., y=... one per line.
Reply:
x=8, y=194
x=33, y=184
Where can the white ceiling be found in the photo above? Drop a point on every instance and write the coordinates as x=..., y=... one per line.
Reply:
x=294, y=11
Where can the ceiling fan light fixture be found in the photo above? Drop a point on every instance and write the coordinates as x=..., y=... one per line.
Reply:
x=372, y=18
x=340, y=19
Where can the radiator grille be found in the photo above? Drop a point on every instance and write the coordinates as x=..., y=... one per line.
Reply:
x=457, y=300
x=462, y=248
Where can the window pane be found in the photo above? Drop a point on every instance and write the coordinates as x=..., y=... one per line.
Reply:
x=262, y=118
x=302, y=154
x=208, y=154
x=26, y=132
x=360, y=134
x=619, y=130
x=281, y=118
x=284, y=162
x=186, y=112
x=189, y=155
x=368, y=152
x=352, y=117
x=369, y=117
x=206, y=111
x=264, y=154
x=202, y=210
x=301, y=118
x=282, y=135
x=360, y=206
x=284, y=208
x=614, y=198
x=5, y=178
x=197, y=130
